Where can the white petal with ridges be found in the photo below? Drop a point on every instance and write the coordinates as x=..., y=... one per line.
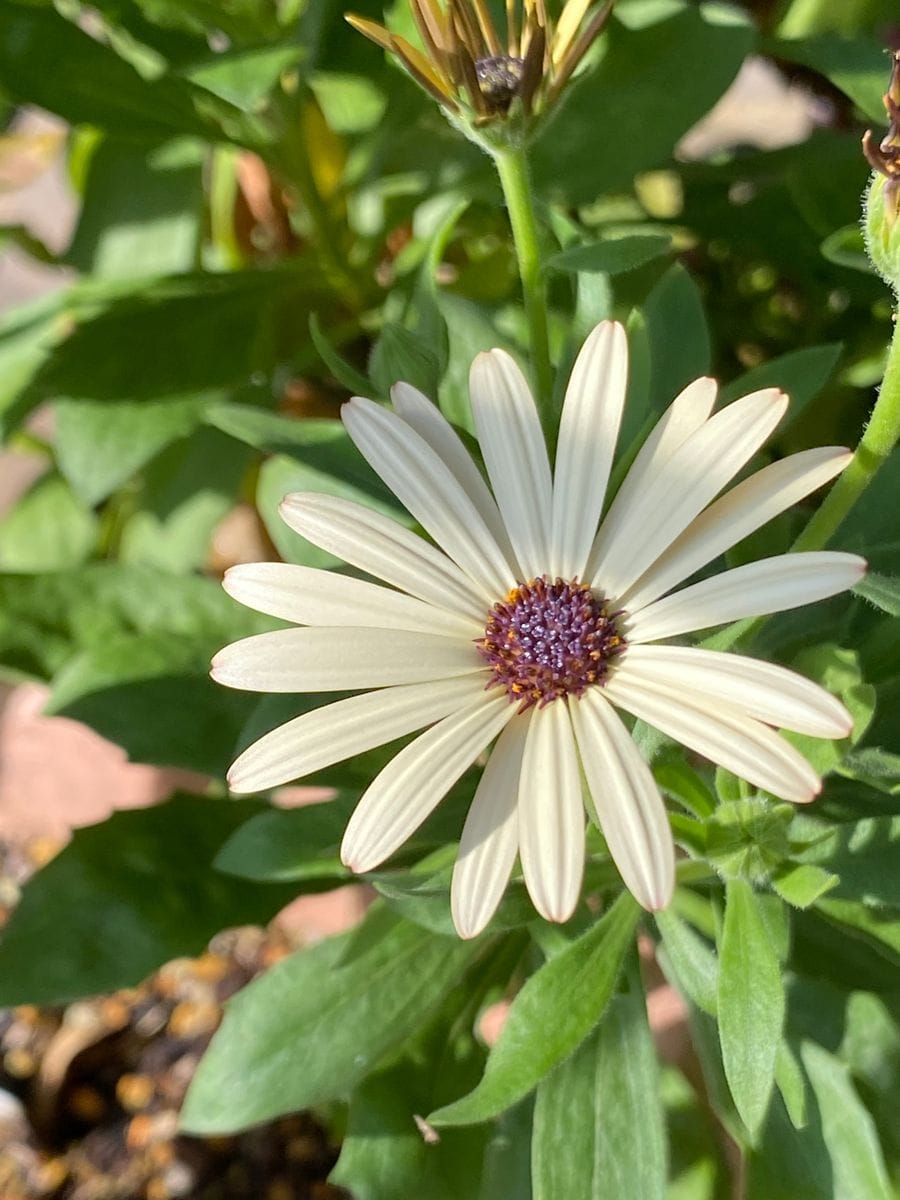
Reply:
x=684, y=416
x=588, y=430
x=767, y=586
x=490, y=837
x=695, y=473
x=628, y=804
x=426, y=486
x=343, y=659
x=737, y=514
x=760, y=689
x=308, y=596
x=379, y=546
x=430, y=424
x=515, y=454
x=338, y=731
x=551, y=814
x=417, y=779
x=725, y=736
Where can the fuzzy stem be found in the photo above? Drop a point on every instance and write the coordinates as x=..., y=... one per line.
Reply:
x=512, y=167
x=879, y=439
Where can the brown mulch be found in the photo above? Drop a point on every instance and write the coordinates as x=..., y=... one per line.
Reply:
x=90, y=1093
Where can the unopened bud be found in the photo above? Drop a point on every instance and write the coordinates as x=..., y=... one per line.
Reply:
x=882, y=205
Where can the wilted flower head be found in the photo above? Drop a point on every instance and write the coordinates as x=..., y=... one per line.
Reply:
x=483, y=75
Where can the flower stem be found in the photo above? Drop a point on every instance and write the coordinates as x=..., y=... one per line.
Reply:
x=512, y=167
x=874, y=449
x=880, y=438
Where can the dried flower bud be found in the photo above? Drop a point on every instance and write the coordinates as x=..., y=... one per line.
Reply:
x=493, y=87
x=883, y=198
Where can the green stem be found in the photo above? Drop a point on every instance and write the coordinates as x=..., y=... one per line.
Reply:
x=874, y=449
x=512, y=167
x=881, y=436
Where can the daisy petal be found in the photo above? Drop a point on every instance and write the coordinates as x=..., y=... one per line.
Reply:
x=379, y=546
x=433, y=427
x=695, y=473
x=738, y=743
x=308, y=596
x=515, y=454
x=770, y=585
x=588, y=430
x=684, y=416
x=338, y=660
x=551, y=814
x=337, y=731
x=490, y=837
x=630, y=809
x=760, y=689
x=736, y=515
x=417, y=779
x=426, y=486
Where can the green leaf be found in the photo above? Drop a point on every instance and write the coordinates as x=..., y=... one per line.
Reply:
x=354, y=381
x=551, y=1015
x=847, y=944
x=613, y=255
x=141, y=211
x=789, y=1164
x=801, y=884
x=289, y=844
x=706, y=45
x=849, y=1131
x=802, y=374
x=790, y=1081
x=315, y=1025
x=847, y=248
x=599, y=1127
x=881, y=590
x=863, y=854
x=185, y=493
x=48, y=530
x=838, y=671
x=385, y=1156
x=178, y=335
x=98, y=87
x=350, y=103
x=126, y=896
x=750, y=1005
x=244, y=77
x=874, y=766
x=678, y=337
x=100, y=446
x=854, y=65
x=28, y=335
x=400, y=356
x=471, y=329
x=45, y=620
x=151, y=694
x=279, y=476
x=693, y=964
x=321, y=444
x=871, y=525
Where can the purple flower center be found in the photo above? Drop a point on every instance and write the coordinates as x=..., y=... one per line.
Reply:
x=547, y=640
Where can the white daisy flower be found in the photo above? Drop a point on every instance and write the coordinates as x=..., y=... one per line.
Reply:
x=524, y=625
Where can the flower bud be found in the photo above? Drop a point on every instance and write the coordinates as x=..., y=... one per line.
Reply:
x=882, y=205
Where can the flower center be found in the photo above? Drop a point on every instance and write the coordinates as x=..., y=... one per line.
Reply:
x=547, y=640
x=499, y=78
